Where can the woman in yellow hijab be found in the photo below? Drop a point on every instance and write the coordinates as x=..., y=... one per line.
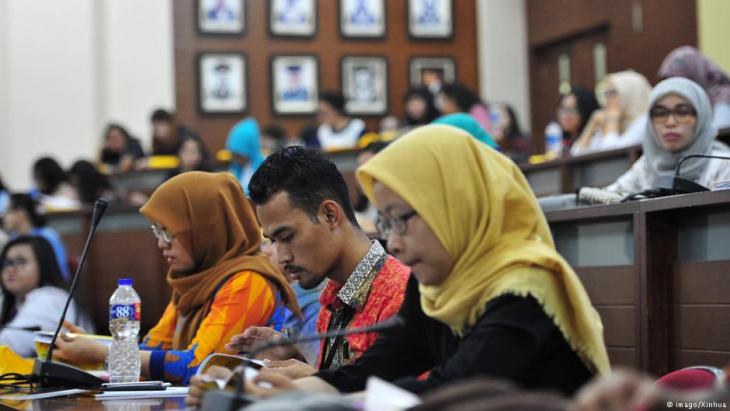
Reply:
x=208, y=233
x=489, y=295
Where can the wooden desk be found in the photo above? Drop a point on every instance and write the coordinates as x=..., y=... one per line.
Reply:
x=565, y=175
x=88, y=403
x=658, y=272
x=123, y=247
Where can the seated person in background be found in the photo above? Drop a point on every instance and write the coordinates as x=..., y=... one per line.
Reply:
x=337, y=131
x=274, y=138
x=621, y=121
x=688, y=62
x=419, y=106
x=308, y=300
x=4, y=197
x=34, y=293
x=468, y=124
x=507, y=133
x=89, y=184
x=365, y=213
x=308, y=134
x=167, y=134
x=302, y=203
x=24, y=218
x=458, y=98
x=244, y=143
x=119, y=150
x=489, y=296
x=51, y=187
x=221, y=283
x=193, y=156
x=680, y=123
x=389, y=124
x=574, y=111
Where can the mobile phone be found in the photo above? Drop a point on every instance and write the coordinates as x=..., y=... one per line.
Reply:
x=135, y=386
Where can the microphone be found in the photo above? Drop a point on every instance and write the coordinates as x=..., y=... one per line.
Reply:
x=225, y=400
x=678, y=185
x=48, y=373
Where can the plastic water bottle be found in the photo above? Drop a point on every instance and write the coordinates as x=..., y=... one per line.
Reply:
x=553, y=140
x=124, y=313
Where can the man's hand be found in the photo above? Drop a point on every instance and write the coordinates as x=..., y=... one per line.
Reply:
x=254, y=337
x=279, y=383
x=199, y=384
x=293, y=369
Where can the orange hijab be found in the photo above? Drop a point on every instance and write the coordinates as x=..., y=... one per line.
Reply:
x=210, y=216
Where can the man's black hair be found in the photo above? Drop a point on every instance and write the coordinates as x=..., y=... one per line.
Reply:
x=334, y=99
x=274, y=131
x=306, y=176
x=161, y=115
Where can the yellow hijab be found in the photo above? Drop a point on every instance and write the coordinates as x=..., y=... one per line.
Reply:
x=484, y=213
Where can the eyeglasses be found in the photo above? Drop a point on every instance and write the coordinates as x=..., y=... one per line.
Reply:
x=609, y=92
x=682, y=113
x=14, y=263
x=566, y=111
x=161, y=234
x=397, y=225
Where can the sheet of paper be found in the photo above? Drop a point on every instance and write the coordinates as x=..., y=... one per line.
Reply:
x=383, y=396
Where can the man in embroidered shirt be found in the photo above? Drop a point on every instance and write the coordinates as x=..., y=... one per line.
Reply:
x=303, y=205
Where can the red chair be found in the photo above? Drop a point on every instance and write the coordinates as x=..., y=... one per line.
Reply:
x=693, y=378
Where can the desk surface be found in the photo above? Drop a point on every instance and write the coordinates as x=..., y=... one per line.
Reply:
x=88, y=403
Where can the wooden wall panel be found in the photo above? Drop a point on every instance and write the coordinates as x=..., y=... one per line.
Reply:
x=556, y=26
x=327, y=45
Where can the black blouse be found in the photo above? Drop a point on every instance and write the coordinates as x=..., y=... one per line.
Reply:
x=514, y=339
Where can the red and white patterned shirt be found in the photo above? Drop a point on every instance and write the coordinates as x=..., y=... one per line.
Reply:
x=373, y=293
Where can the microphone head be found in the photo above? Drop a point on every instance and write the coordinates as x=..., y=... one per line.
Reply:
x=99, y=208
x=101, y=204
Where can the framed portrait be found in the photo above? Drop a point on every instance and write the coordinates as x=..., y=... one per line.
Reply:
x=362, y=19
x=221, y=16
x=430, y=19
x=365, y=84
x=222, y=83
x=294, y=84
x=432, y=72
x=292, y=18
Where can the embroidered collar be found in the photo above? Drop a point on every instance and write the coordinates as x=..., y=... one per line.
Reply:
x=356, y=289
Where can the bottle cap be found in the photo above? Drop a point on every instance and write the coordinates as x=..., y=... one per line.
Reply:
x=125, y=281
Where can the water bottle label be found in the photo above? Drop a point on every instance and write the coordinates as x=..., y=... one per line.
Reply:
x=128, y=311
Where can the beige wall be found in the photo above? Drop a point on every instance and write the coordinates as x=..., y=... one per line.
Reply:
x=68, y=67
x=503, y=63
x=714, y=30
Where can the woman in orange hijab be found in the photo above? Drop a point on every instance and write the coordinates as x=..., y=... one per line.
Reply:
x=207, y=232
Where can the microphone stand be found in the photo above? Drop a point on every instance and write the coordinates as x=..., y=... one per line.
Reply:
x=51, y=374
x=678, y=185
x=232, y=401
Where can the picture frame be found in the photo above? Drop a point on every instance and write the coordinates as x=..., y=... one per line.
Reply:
x=432, y=72
x=292, y=18
x=221, y=17
x=365, y=84
x=222, y=83
x=363, y=19
x=430, y=19
x=294, y=84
